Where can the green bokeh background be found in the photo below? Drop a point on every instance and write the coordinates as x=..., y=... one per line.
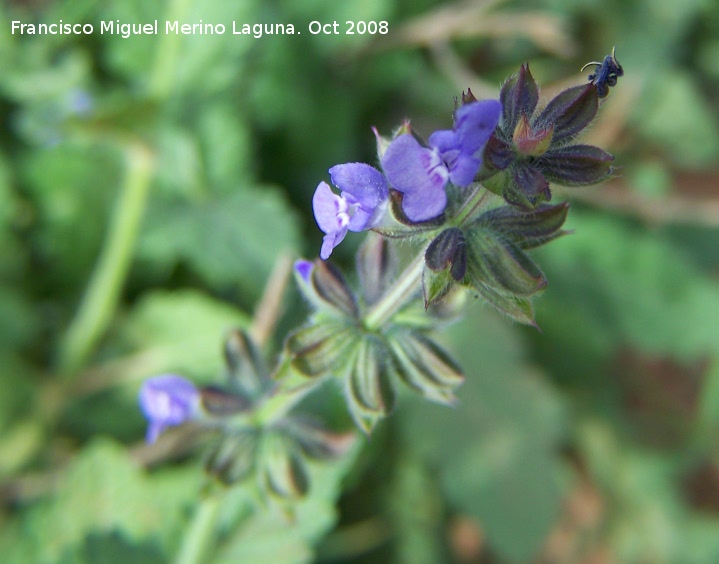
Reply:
x=149, y=186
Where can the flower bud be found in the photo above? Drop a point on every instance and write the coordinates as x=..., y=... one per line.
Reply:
x=530, y=141
x=448, y=250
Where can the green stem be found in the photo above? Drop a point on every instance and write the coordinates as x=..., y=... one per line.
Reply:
x=470, y=206
x=202, y=532
x=100, y=299
x=162, y=77
x=406, y=286
x=400, y=293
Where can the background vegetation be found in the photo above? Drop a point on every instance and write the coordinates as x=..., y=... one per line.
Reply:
x=148, y=187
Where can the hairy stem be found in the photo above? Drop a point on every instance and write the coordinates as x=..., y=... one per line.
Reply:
x=470, y=206
x=403, y=290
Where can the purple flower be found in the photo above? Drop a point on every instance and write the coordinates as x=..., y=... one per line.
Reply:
x=167, y=400
x=453, y=156
x=360, y=205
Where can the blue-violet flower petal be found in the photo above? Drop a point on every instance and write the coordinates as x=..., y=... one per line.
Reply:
x=331, y=214
x=360, y=205
x=461, y=149
x=365, y=186
x=419, y=174
x=167, y=400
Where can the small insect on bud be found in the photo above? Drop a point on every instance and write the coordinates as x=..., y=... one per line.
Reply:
x=609, y=72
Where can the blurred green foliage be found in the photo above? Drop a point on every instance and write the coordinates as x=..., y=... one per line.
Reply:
x=596, y=438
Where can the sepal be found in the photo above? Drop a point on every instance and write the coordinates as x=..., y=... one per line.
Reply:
x=468, y=97
x=217, y=402
x=500, y=264
x=234, y=457
x=323, y=285
x=515, y=307
x=435, y=285
x=284, y=471
x=246, y=369
x=368, y=388
x=425, y=367
x=576, y=165
x=321, y=348
x=527, y=230
x=519, y=97
x=315, y=441
x=527, y=187
x=569, y=112
x=332, y=288
x=498, y=155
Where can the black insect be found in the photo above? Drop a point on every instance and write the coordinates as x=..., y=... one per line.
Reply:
x=607, y=74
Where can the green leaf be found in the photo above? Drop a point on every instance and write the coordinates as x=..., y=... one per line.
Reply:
x=73, y=187
x=104, y=492
x=179, y=331
x=114, y=548
x=232, y=241
x=175, y=63
x=227, y=142
x=689, y=137
x=614, y=285
x=497, y=452
x=647, y=500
